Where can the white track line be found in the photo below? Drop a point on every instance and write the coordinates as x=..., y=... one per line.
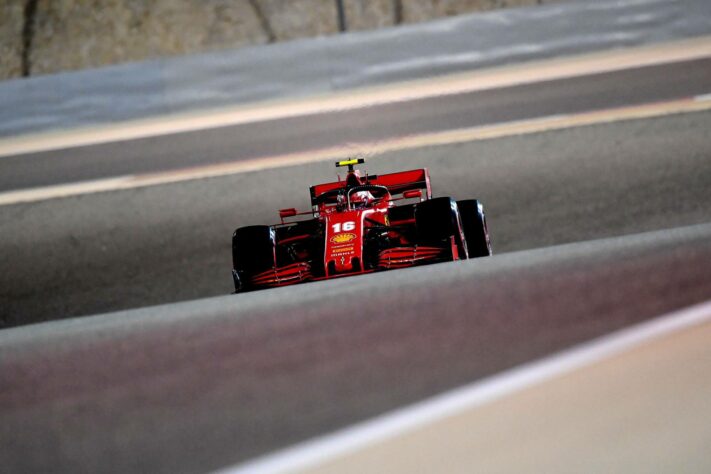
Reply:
x=320, y=450
x=506, y=76
x=523, y=127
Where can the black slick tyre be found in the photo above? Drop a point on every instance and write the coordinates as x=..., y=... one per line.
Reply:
x=437, y=220
x=253, y=252
x=475, y=229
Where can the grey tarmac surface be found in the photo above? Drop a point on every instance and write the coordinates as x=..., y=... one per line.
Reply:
x=341, y=62
x=268, y=138
x=200, y=385
x=641, y=410
x=117, y=250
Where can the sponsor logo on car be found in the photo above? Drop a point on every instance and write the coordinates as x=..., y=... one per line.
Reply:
x=342, y=238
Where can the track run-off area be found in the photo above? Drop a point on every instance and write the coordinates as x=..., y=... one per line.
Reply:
x=597, y=187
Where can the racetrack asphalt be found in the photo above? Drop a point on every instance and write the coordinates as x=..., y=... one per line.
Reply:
x=201, y=385
x=116, y=250
x=641, y=85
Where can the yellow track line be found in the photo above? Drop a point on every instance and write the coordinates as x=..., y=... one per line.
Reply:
x=371, y=148
x=506, y=76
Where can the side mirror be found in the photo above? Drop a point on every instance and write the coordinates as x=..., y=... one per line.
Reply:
x=412, y=194
x=284, y=213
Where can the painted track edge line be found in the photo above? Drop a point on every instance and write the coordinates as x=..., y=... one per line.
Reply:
x=348, y=440
x=372, y=149
x=464, y=82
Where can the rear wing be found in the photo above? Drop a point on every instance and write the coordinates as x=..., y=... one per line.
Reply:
x=397, y=183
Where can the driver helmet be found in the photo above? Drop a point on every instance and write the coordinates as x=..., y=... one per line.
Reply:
x=361, y=199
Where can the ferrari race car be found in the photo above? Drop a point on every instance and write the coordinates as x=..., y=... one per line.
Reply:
x=365, y=223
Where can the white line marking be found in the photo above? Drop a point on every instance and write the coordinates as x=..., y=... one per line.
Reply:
x=346, y=441
x=703, y=97
x=373, y=149
x=506, y=76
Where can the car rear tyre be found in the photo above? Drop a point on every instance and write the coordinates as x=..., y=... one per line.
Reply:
x=476, y=232
x=252, y=253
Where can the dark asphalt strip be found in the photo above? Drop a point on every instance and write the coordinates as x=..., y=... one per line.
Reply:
x=274, y=137
x=199, y=385
x=117, y=250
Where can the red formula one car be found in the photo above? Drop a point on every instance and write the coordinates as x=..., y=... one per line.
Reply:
x=360, y=225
